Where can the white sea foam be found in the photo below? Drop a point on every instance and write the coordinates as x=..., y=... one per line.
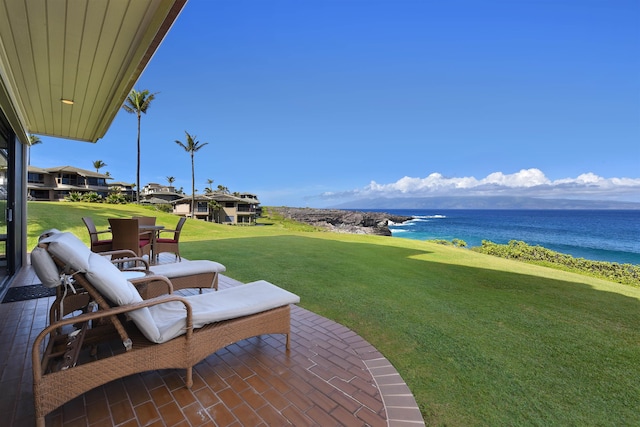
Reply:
x=420, y=220
x=423, y=217
x=401, y=224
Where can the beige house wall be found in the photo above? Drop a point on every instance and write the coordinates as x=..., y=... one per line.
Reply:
x=225, y=214
x=182, y=209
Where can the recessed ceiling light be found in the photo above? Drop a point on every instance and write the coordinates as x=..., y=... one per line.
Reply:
x=67, y=101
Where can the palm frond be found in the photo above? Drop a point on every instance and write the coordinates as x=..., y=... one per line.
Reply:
x=138, y=101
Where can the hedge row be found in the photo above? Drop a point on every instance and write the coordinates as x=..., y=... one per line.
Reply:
x=628, y=274
x=93, y=197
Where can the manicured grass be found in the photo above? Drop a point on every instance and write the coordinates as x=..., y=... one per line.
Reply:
x=480, y=340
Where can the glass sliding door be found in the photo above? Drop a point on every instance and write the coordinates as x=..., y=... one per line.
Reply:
x=4, y=201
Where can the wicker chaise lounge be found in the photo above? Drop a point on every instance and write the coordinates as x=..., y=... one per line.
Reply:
x=167, y=331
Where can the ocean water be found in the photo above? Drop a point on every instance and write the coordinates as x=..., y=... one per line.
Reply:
x=601, y=235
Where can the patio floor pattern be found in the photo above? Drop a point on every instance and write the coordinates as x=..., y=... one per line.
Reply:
x=330, y=377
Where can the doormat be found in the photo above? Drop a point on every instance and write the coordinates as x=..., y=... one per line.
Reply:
x=23, y=293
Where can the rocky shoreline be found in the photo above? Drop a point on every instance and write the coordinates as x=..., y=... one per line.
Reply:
x=343, y=221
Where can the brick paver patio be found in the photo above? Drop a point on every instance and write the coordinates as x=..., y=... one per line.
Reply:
x=330, y=377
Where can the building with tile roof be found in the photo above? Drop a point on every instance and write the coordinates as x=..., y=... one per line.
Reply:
x=221, y=207
x=58, y=182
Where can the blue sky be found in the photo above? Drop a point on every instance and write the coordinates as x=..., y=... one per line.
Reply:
x=317, y=102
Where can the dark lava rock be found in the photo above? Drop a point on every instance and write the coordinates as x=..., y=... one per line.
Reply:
x=344, y=221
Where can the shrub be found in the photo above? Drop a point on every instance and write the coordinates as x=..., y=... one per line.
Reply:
x=440, y=242
x=459, y=243
x=116, y=199
x=92, y=197
x=165, y=208
x=74, y=197
x=455, y=242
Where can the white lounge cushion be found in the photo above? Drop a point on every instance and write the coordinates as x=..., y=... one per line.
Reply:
x=110, y=281
x=68, y=248
x=187, y=268
x=229, y=303
x=45, y=268
x=113, y=285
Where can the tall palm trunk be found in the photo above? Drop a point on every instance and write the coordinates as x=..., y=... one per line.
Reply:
x=138, y=167
x=193, y=188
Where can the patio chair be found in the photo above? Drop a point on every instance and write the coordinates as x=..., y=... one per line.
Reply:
x=97, y=244
x=165, y=332
x=170, y=244
x=126, y=235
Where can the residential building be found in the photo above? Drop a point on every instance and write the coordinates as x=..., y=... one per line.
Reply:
x=223, y=208
x=125, y=188
x=155, y=194
x=202, y=210
x=58, y=182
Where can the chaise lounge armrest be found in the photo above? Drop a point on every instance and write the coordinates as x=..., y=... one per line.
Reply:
x=135, y=263
x=105, y=314
x=120, y=252
x=152, y=286
x=123, y=257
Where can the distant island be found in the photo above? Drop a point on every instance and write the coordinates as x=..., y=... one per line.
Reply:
x=487, y=202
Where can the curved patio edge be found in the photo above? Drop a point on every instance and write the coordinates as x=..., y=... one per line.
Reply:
x=399, y=403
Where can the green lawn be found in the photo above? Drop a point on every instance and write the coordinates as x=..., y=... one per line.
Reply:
x=479, y=340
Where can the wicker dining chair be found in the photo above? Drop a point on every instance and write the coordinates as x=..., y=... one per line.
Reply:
x=97, y=244
x=170, y=244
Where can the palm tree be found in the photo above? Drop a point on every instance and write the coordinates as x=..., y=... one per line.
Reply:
x=215, y=208
x=98, y=164
x=170, y=181
x=208, y=188
x=138, y=103
x=191, y=146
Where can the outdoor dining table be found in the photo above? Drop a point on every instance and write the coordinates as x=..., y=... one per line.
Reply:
x=155, y=229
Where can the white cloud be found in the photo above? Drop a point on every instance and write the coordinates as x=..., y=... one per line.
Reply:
x=526, y=182
x=525, y=178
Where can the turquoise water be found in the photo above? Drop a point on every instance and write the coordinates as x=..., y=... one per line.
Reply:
x=602, y=235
